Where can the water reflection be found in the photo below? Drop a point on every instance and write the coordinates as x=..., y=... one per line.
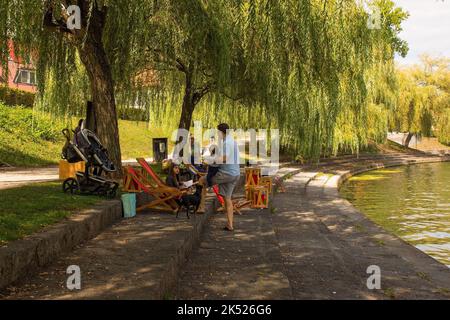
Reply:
x=412, y=202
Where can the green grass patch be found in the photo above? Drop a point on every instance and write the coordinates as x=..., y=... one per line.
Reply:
x=136, y=138
x=27, y=138
x=33, y=139
x=25, y=210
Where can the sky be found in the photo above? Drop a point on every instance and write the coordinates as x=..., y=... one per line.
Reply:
x=427, y=29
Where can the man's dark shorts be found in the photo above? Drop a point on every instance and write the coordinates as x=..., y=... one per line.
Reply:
x=226, y=184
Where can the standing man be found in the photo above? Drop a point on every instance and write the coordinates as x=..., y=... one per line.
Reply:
x=229, y=171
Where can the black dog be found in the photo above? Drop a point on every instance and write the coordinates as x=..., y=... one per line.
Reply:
x=191, y=202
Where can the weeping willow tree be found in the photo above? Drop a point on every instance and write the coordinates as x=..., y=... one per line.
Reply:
x=139, y=54
x=412, y=113
x=319, y=73
x=311, y=68
x=187, y=47
x=192, y=50
x=38, y=30
x=423, y=99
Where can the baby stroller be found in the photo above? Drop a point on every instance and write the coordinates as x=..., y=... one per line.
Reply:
x=86, y=147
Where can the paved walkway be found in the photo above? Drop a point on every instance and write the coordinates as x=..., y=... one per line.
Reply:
x=16, y=177
x=310, y=245
x=10, y=178
x=246, y=264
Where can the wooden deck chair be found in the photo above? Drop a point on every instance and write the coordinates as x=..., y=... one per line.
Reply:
x=252, y=179
x=238, y=204
x=150, y=173
x=252, y=176
x=164, y=196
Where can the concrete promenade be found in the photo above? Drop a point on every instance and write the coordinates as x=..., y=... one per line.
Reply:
x=310, y=244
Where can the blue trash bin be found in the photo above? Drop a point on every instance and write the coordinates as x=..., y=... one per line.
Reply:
x=129, y=205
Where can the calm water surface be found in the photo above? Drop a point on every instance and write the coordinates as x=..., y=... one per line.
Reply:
x=412, y=202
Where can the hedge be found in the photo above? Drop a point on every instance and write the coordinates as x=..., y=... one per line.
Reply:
x=14, y=97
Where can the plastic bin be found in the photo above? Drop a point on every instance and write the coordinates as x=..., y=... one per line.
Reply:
x=129, y=205
x=69, y=170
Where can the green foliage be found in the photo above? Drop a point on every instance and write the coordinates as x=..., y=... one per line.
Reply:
x=22, y=121
x=443, y=127
x=138, y=114
x=28, y=209
x=423, y=99
x=28, y=138
x=12, y=97
x=308, y=67
x=316, y=69
x=377, y=123
x=32, y=138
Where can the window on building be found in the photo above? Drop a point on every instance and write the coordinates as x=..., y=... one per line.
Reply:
x=26, y=77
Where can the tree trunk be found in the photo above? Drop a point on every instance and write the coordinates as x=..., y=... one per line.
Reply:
x=186, y=114
x=408, y=139
x=188, y=106
x=94, y=58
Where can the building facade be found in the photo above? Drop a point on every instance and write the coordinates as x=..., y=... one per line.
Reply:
x=20, y=75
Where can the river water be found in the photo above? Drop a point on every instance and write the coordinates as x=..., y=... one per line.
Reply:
x=412, y=202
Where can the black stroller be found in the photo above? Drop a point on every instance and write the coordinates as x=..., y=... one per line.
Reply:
x=86, y=147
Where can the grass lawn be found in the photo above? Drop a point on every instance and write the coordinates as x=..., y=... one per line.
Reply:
x=22, y=152
x=29, y=139
x=136, y=138
x=25, y=210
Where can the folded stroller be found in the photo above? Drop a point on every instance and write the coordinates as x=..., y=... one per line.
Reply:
x=86, y=147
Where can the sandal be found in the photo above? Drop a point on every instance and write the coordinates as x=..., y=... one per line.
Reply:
x=226, y=228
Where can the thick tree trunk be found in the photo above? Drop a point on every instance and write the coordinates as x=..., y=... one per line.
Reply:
x=94, y=58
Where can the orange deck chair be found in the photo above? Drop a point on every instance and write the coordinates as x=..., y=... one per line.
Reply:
x=150, y=173
x=164, y=196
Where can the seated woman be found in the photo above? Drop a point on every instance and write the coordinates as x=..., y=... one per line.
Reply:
x=173, y=178
x=190, y=201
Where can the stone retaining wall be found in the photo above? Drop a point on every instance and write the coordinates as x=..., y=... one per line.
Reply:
x=27, y=256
